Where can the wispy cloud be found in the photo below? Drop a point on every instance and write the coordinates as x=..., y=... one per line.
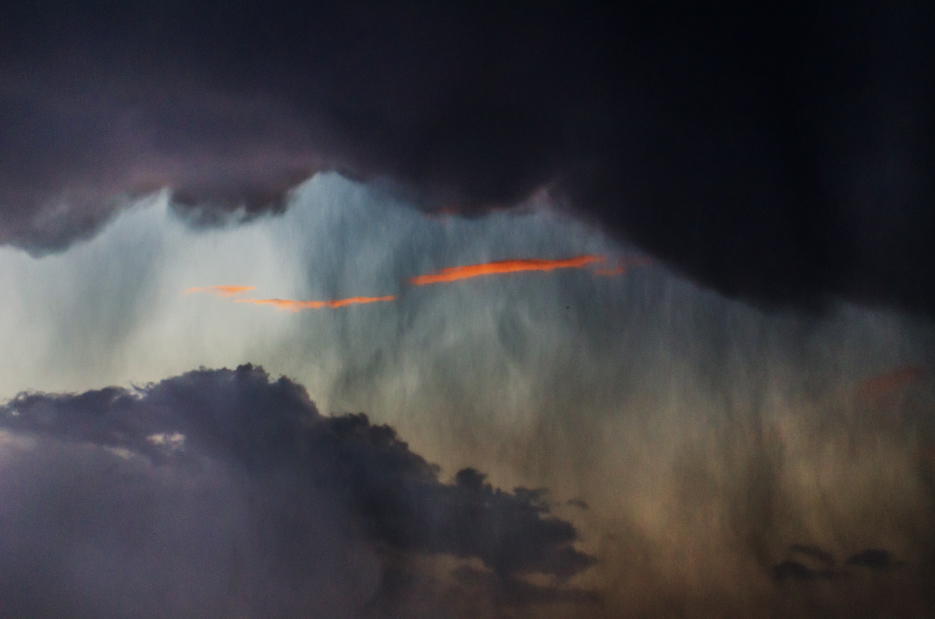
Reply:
x=290, y=305
x=500, y=267
x=221, y=291
x=622, y=266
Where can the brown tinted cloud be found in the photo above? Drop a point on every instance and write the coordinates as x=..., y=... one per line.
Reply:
x=499, y=267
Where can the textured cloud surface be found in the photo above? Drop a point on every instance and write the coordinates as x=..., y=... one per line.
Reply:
x=267, y=507
x=733, y=462
x=742, y=427
x=779, y=152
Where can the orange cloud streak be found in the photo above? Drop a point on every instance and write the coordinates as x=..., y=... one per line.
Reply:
x=502, y=266
x=883, y=385
x=294, y=306
x=622, y=266
x=221, y=291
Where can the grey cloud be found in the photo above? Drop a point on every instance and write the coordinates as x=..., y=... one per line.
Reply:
x=781, y=153
x=297, y=491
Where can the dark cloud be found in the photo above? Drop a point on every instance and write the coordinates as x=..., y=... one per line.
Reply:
x=873, y=558
x=812, y=563
x=778, y=151
x=229, y=473
x=794, y=570
x=810, y=551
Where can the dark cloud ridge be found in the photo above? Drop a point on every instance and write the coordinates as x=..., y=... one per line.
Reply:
x=781, y=152
x=242, y=420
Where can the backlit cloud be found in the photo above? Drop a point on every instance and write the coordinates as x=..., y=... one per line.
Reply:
x=499, y=267
x=623, y=265
x=221, y=291
x=294, y=306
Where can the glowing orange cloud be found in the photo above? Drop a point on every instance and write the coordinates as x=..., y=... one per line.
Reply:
x=502, y=266
x=221, y=291
x=622, y=266
x=294, y=306
x=886, y=384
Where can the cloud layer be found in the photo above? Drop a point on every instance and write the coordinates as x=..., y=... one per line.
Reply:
x=779, y=153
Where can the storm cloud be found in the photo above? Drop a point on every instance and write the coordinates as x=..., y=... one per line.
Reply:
x=732, y=461
x=781, y=152
x=224, y=491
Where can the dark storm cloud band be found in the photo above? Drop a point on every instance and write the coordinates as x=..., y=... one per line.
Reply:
x=777, y=151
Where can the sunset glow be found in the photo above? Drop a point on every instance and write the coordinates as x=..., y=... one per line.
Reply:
x=294, y=306
x=221, y=291
x=623, y=265
x=498, y=267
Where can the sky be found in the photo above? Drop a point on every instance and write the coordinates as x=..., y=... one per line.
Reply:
x=494, y=311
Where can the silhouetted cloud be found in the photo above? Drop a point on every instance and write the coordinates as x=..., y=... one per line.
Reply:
x=794, y=570
x=873, y=558
x=287, y=493
x=780, y=153
x=812, y=563
x=813, y=552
